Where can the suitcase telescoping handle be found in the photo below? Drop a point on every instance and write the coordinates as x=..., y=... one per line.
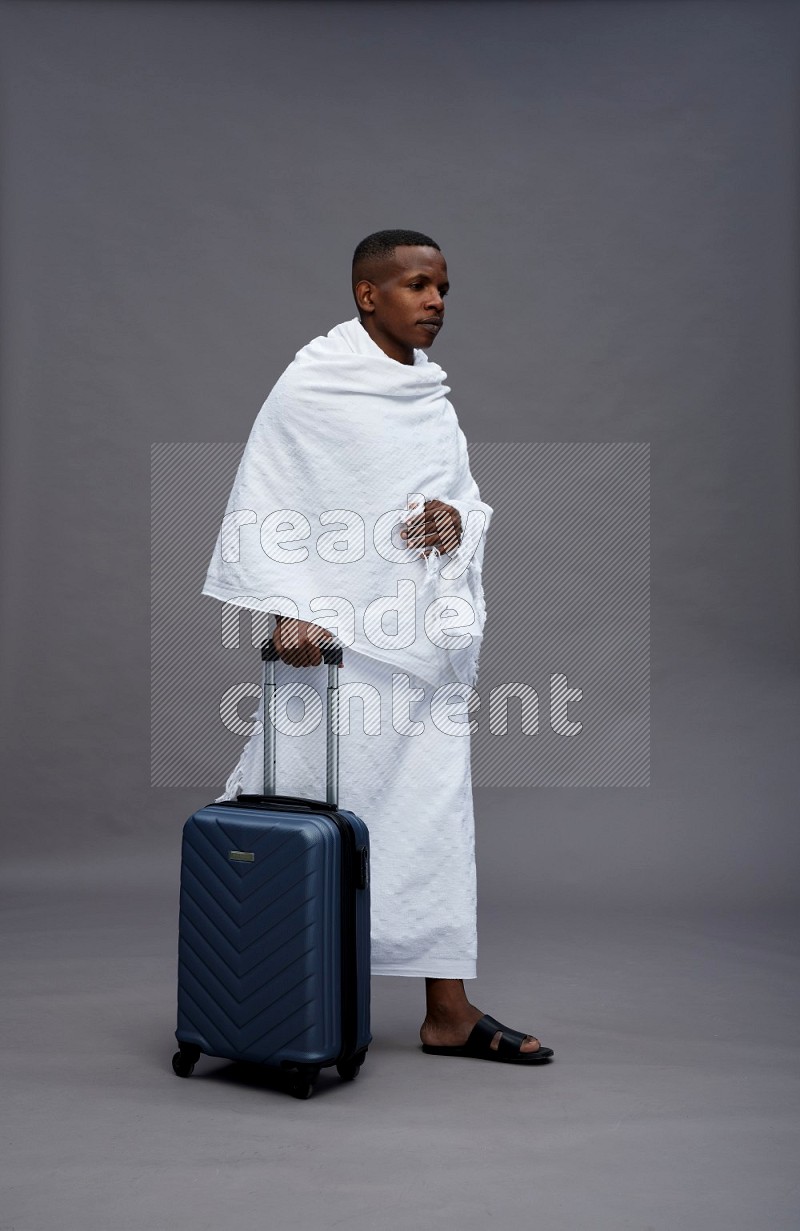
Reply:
x=332, y=655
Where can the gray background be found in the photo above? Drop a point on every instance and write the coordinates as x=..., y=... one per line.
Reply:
x=614, y=187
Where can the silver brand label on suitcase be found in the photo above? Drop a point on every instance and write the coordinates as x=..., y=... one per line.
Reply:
x=242, y=856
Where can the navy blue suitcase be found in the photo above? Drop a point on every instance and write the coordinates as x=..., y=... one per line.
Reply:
x=274, y=928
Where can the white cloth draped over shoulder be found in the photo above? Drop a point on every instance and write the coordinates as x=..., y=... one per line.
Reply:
x=346, y=445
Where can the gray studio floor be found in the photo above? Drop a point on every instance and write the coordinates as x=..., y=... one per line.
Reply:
x=671, y=1103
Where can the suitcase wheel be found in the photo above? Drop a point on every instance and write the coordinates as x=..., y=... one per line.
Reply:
x=183, y=1061
x=348, y=1070
x=301, y=1084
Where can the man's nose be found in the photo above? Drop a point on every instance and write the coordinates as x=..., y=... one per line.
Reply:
x=435, y=302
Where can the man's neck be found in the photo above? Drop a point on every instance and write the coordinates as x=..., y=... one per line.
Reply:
x=394, y=350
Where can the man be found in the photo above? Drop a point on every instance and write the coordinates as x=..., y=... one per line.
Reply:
x=361, y=417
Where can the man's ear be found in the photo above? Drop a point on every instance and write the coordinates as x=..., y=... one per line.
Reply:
x=364, y=291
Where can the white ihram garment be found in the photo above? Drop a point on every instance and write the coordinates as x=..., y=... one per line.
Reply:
x=348, y=431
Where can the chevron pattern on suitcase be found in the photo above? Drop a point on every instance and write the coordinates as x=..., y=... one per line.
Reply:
x=254, y=957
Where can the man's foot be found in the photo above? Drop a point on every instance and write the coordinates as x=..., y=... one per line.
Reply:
x=451, y=1027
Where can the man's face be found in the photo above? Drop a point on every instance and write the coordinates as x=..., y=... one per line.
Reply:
x=404, y=306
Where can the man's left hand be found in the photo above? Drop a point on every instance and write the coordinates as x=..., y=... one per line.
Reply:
x=439, y=526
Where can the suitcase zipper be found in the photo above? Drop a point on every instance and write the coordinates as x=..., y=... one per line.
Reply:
x=349, y=952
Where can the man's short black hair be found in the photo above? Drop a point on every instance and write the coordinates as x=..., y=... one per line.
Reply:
x=383, y=243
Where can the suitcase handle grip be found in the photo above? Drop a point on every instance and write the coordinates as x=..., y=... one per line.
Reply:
x=331, y=654
x=294, y=801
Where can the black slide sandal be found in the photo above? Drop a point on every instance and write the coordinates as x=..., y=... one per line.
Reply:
x=478, y=1045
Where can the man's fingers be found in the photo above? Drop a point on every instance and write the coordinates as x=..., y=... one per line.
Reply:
x=295, y=660
x=446, y=522
x=301, y=647
x=441, y=519
x=441, y=530
x=432, y=527
x=428, y=541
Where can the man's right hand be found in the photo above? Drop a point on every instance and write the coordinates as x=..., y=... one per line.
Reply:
x=298, y=642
